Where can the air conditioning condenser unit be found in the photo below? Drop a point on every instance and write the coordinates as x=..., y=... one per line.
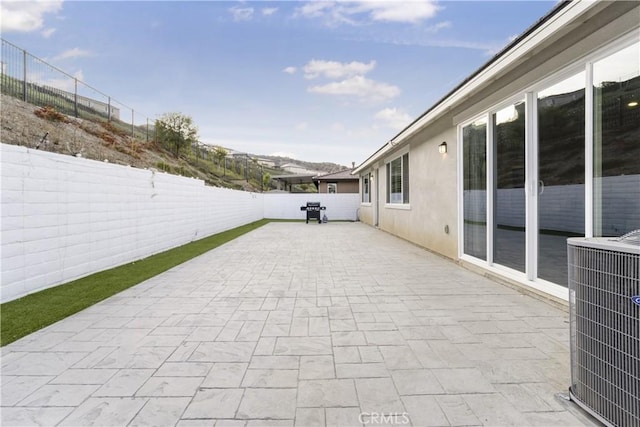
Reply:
x=604, y=302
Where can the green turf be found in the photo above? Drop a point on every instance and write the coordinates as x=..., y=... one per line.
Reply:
x=33, y=312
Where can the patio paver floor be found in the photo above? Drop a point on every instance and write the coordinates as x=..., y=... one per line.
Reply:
x=300, y=324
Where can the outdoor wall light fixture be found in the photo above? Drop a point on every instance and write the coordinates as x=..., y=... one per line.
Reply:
x=442, y=148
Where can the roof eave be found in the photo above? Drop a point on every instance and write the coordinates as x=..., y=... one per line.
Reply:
x=564, y=12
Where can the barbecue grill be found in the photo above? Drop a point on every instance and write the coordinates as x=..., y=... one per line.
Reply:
x=313, y=211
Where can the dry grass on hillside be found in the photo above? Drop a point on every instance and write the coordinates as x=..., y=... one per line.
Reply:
x=46, y=129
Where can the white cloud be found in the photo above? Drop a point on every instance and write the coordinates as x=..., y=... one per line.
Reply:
x=439, y=26
x=393, y=118
x=48, y=32
x=315, y=9
x=72, y=53
x=399, y=11
x=290, y=70
x=360, y=87
x=268, y=11
x=336, y=70
x=302, y=126
x=426, y=36
x=489, y=48
x=241, y=13
x=26, y=16
x=358, y=12
x=349, y=80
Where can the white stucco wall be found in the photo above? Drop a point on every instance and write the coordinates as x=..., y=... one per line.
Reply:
x=430, y=218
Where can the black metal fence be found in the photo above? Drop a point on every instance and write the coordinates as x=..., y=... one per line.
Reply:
x=37, y=82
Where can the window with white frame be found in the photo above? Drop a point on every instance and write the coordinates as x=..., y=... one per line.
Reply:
x=366, y=193
x=332, y=187
x=398, y=180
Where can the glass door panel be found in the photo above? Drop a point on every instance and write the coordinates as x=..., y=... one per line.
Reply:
x=561, y=169
x=474, y=152
x=616, y=140
x=509, y=242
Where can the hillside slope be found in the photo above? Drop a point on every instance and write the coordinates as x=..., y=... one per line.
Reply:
x=48, y=130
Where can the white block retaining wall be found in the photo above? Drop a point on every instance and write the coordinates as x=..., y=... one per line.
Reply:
x=63, y=217
x=620, y=206
x=339, y=207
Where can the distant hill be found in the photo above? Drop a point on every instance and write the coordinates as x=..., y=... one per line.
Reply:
x=322, y=166
x=279, y=161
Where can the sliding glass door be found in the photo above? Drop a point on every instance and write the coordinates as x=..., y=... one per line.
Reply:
x=509, y=201
x=616, y=143
x=561, y=162
x=474, y=141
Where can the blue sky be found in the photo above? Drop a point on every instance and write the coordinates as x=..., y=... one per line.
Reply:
x=318, y=81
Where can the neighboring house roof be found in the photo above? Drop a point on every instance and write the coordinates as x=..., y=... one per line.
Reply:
x=294, y=179
x=336, y=176
x=504, y=59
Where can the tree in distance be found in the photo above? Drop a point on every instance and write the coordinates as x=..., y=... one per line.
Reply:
x=220, y=153
x=266, y=180
x=176, y=131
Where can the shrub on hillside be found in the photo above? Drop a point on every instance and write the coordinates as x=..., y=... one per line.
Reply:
x=51, y=114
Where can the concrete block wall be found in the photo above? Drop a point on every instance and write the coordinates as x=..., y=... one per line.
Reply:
x=340, y=207
x=65, y=217
x=620, y=205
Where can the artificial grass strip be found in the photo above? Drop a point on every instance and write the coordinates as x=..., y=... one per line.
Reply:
x=30, y=313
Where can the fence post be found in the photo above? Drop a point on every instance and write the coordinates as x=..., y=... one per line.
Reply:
x=147, y=129
x=109, y=109
x=132, y=124
x=75, y=97
x=24, y=75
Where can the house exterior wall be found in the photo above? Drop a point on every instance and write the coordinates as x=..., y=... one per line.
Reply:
x=343, y=186
x=433, y=209
x=365, y=213
x=433, y=206
x=435, y=195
